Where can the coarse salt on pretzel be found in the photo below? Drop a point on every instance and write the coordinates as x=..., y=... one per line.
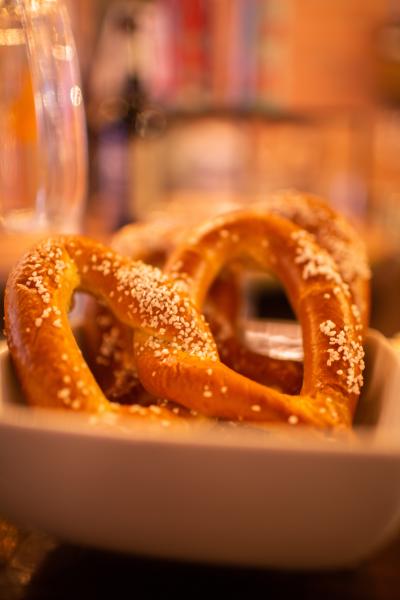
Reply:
x=332, y=329
x=152, y=242
x=108, y=342
x=314, y=214
x=48, y=360
x=333, y=232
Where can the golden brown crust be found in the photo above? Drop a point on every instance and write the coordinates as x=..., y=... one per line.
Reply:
x=108, y=342
x=333, y=232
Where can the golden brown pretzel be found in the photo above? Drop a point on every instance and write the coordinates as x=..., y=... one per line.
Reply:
x=48, y=360
x=332, y=330
x=174, y=350
x=108, y=341
x=151, y=242
x=334, y=233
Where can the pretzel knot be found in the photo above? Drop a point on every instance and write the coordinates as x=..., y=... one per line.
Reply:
x=175, y=353
x=110, y=342
x=331, y=325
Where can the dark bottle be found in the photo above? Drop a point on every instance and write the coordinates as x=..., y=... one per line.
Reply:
x=114, y=108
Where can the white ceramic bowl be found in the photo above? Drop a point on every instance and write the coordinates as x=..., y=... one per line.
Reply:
x=224, y=495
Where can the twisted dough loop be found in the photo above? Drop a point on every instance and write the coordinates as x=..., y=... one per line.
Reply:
x=332, y=231
x=37, y=298
x=109, y=342
x=333, y=360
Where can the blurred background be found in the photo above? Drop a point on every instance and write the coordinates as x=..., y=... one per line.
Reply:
x=193, y=106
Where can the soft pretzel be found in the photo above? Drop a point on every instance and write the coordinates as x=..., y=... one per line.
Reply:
x=336, y=235
x=175, y=353
x=48, y=360
x=332, y=329
x=153, y=241
x=108, y=342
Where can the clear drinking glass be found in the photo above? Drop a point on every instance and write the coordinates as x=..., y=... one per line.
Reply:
x=43, y=147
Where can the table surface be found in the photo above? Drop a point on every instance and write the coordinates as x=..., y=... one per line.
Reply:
x=34, y=566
